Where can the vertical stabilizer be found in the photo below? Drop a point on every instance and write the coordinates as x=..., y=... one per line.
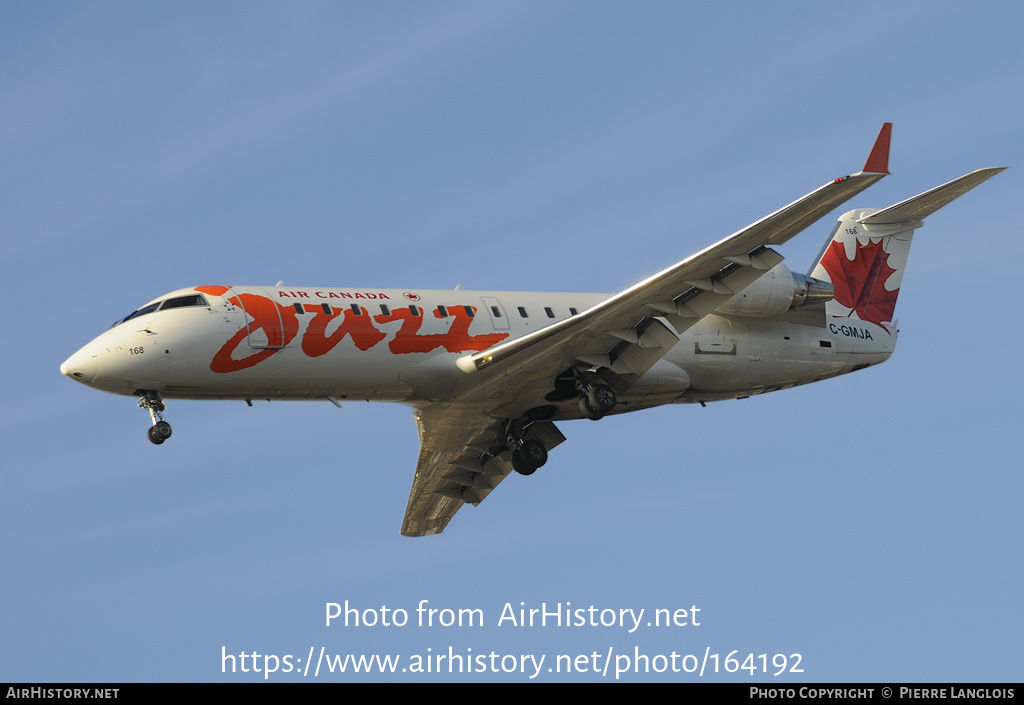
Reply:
x=866, y=254
x=865, y=265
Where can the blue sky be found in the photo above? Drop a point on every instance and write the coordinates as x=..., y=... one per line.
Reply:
x=869, y=523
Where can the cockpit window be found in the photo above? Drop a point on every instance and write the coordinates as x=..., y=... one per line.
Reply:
x=141, y=312
x=180, y=301
x=176, y=302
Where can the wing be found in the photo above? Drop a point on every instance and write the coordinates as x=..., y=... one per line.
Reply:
x=457, y=462
x=463, y=453
x=624, y=335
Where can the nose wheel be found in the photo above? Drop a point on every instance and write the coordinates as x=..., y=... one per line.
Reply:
x=160, y=431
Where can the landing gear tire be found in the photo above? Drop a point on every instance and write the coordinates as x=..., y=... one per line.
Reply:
x=154, y=436
x=588, y=411
x=159, y=432
x=519, y=465
x=534, y=453
x=601, y=398
x=596, y=400
x=528, y=457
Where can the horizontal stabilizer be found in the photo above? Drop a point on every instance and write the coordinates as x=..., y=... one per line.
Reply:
x=923, y=205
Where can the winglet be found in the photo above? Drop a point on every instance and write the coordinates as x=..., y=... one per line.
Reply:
x=878, y=160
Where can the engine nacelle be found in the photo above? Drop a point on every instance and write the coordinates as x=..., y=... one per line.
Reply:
x=778, y=291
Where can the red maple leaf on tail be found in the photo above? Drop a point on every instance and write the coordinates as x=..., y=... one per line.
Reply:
x=860, y=283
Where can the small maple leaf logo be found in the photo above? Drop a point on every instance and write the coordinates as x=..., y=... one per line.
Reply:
x=411, y=296
x=860, y=283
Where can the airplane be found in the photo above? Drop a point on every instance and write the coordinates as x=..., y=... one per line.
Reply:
x=488, y=373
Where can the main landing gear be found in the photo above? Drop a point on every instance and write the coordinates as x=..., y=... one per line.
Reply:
x=160, y=431
x=527, y=454
x=596, y=398
x=528, y=457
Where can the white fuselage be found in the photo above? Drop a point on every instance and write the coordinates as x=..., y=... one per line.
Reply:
x=394, y=345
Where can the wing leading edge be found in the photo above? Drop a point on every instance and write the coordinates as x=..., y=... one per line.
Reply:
x=623, y=334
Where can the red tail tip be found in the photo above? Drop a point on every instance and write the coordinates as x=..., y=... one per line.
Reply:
x=878, y=160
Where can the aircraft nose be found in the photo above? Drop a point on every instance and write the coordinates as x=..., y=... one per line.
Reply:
x=80, y=367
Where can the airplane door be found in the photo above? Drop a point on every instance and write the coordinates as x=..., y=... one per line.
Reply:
x=494, y=309
x=263, y=322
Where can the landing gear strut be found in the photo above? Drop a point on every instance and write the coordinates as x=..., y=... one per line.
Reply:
x=160, y=431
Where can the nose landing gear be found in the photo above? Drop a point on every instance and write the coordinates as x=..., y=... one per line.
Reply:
x=160, y=431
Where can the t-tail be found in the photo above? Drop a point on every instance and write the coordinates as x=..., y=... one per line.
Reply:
x=866, y=254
